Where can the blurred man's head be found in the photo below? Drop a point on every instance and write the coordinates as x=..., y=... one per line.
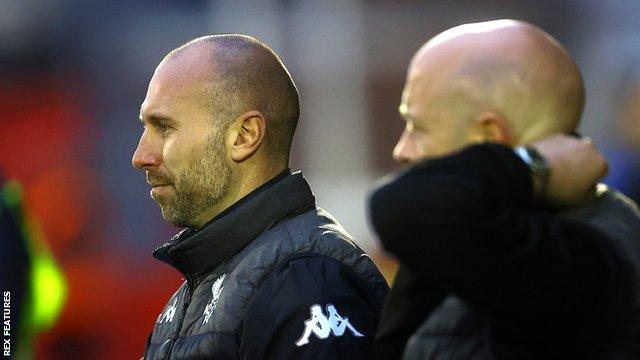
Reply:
x=502, y=81
x=219, y=117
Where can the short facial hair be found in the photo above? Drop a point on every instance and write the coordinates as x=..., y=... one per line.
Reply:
x=203, y=183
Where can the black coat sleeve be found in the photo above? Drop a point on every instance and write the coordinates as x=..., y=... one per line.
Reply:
x=464, y=223
x=310, y=307
x=407, y=305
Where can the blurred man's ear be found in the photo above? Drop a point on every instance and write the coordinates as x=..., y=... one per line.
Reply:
x=492, y=127
x=247, y=133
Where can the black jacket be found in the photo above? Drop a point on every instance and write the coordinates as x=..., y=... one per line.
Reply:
x=485, y=275
x=273, y=277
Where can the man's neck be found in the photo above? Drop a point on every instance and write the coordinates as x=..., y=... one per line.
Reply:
x=254, y=179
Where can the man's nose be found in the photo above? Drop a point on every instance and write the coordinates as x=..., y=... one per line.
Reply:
x=145, y=156
x=404, y=151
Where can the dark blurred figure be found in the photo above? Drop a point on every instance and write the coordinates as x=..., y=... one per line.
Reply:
x=34, y=282
x=14, y=260
x=507, y=249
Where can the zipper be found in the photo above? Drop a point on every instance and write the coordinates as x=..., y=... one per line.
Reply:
x=191, y=284
x=185, y=306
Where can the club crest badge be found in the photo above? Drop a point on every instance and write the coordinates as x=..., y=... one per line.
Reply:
x=167, y=315
x=216, y=290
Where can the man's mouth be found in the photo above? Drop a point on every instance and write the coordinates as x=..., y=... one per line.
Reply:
x=159, y=190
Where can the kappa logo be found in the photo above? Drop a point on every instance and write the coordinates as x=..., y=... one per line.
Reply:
x=167, y=315
x=322, y=326
x=216, y=290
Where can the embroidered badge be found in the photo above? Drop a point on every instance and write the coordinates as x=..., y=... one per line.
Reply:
x=216, y=290
x=167, y=315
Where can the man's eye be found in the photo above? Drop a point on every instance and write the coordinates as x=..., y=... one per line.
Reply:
x=163, y=127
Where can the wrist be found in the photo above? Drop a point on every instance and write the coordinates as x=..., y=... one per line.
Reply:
x=538, y=169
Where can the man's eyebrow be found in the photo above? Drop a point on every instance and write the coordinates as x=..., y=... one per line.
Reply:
x=154, y=118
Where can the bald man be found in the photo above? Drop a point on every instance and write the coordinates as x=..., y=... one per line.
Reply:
x=508, y=249
x=268, y=275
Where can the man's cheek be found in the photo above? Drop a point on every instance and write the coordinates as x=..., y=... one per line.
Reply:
x=174, y=158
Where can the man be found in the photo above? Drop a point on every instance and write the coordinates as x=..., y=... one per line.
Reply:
x=507, y=253
x=268, y=275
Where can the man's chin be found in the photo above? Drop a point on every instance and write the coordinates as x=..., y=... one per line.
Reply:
x=169, y=216
x=164, y=205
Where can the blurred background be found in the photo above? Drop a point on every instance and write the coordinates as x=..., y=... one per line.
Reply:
x=73, y=75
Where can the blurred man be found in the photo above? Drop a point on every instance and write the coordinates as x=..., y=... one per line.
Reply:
x=268, y=275
x=507, y=253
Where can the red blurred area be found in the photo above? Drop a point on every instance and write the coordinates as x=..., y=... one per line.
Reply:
x=114, y=298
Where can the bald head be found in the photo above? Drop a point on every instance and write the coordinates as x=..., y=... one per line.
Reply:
x=218, y=118
x=508, y=69
x=236, y=74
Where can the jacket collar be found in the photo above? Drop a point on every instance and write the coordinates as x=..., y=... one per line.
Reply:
x=195, y=252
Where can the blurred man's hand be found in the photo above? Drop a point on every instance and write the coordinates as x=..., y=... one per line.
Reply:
x=575, y=165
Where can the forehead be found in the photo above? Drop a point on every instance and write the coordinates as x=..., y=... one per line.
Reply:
x=177, y=84
x=429, y=100
x=420, y=94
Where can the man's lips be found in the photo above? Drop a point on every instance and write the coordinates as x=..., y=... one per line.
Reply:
x=159, y=189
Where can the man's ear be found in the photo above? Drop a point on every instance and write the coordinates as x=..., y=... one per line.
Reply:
x=247, y=135
x=492, y=127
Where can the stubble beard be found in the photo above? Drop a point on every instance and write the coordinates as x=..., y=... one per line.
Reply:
x=201, y=186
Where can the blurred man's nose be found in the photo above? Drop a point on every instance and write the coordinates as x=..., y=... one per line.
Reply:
x=404, y=152
x=145, y=156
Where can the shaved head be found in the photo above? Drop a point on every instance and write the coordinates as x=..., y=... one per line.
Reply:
x=237, y=74
x=505, y=81
x=218, y=119
x=510, y=67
